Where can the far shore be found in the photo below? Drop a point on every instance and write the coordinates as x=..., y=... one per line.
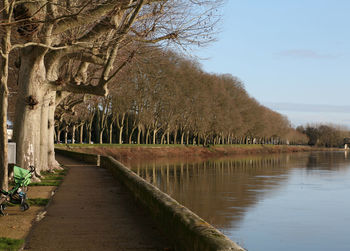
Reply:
x=148, y=152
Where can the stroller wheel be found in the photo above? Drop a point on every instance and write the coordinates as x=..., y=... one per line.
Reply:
x=24, y=206
x=2, y=208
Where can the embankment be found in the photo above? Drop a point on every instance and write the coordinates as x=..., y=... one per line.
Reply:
x=188, y=231
x=147, y=152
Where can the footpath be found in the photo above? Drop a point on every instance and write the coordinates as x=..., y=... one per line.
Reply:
x=92, y=211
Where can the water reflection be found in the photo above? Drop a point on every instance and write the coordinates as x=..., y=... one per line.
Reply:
x=222, y=191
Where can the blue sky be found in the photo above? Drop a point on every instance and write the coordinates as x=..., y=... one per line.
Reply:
x=287, y=52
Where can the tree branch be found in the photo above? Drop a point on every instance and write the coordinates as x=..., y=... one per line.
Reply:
x=19, y=46
x=72, y=22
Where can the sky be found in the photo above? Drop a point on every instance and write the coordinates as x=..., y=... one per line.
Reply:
x=293, y=56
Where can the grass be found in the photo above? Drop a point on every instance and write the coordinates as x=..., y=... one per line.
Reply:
x=53, y=177
x=46, y=183
x=38, y=202
x=159, y=145
x=8, y=244
x=119, y=145
x=50, y=178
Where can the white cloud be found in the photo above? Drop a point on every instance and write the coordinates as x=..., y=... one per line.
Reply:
x=305, y=53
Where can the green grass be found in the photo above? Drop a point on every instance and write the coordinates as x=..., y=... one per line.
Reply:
x=32, y=202
x=46, y=183
x=7, y=244
x=51, y=178
x=118, y=145
x=38, y=202
x=159, y=146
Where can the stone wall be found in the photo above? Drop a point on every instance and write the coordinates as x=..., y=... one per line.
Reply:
x=86, y=157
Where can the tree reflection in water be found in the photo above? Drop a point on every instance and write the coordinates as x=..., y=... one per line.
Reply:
x=221, y=191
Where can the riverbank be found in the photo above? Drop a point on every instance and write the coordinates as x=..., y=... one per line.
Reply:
x=124, y=153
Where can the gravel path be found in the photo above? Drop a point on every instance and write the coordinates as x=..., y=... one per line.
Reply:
x=92, y=211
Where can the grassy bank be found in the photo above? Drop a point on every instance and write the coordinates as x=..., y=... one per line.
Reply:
x=125, y=152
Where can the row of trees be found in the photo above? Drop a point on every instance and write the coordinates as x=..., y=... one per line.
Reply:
x=60, y=47
x=325, y=135
x=166, y=98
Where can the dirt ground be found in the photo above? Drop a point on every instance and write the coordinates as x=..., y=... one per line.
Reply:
x=17, y=224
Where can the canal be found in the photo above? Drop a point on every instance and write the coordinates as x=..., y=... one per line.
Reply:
x=296, y=201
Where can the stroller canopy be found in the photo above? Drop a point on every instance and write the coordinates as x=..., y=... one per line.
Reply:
x=22, y=176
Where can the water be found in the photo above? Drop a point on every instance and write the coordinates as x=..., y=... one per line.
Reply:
x=284, y=202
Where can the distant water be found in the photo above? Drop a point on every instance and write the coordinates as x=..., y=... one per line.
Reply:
x=283, y=202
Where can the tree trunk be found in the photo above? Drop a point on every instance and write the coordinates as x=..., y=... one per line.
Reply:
x=52, y=163
x=162, y=138
x=121, y=135
x=168, y=137
x=139, y=135
x=59, y=136
x=175, y=137
x=4, y=67
x=182, y=137
x=130, y=136
x=101, y=136
x=154, y=136
x=81, y=133
x=111, y=133
x=44, y=134
x=32, y=90
x=66, y=135
x=73, y=133
x=3, y=125
x=89, y=131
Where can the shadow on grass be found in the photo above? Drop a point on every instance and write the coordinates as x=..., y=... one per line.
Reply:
x=10, y=244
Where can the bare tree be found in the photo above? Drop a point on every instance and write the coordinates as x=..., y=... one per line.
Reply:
x=89, y=39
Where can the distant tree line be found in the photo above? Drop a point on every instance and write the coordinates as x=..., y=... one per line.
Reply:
x=164, y=98
x=325, y=135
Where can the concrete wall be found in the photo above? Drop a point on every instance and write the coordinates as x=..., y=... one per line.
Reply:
x=86, y=157
x=187, y=230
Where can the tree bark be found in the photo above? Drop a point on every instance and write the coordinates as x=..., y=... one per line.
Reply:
x=66, y=135
x=139, y=135
x=32, y=90
x=44, y=134
x=175, y=137
x=59, y=136
x=81, y=133
x=101, y=136
x=52, y=163
x=4, y=67
x=130, y=136
x=162, y=138
x=3, y=126
x=73, y=133
x=147, y=136
x=154, y=136
x=111, y=133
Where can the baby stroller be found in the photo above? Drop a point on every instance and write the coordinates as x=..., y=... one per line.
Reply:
x=17, y=195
